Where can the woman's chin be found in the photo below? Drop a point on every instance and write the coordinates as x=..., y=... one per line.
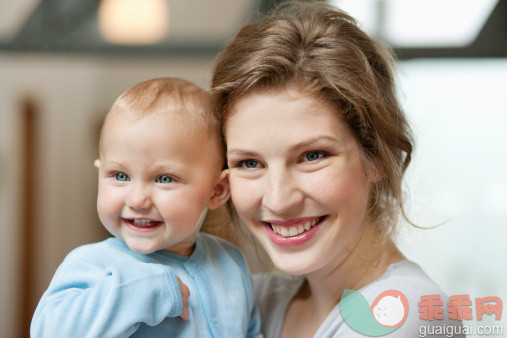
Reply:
x=292, y=270
x=300, y=263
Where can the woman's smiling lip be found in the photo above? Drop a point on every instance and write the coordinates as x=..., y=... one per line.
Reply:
x=310, y=224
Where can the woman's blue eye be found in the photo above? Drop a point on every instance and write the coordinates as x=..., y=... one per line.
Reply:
x=121, y=177
x=164, y=179
x=314, y=156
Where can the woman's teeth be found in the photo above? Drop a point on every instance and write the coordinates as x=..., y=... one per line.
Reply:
x=295, y=229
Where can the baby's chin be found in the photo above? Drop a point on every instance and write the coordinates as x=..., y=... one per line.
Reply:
x=142, y=248
x=143, y=251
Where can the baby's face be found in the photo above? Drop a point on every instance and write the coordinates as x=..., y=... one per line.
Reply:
x=157, y=176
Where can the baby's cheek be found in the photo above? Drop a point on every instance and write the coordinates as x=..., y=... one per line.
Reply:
x=183, y=208
x=109, y=203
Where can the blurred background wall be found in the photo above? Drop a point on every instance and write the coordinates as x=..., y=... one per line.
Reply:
x=61, y=69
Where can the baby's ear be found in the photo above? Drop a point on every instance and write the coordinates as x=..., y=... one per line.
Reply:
x=221, y=192
x=96, y=164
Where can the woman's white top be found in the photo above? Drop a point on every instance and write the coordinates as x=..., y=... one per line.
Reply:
x=274, y=292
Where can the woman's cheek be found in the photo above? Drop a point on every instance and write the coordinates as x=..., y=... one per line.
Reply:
x=320, y=185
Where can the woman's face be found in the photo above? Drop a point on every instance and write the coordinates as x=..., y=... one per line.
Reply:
x=297, y=179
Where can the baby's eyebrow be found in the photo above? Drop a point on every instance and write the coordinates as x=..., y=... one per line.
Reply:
x=112, y=163
x=168, y=166
x=241, y=153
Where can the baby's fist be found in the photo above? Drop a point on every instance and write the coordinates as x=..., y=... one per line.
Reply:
x=185, y=294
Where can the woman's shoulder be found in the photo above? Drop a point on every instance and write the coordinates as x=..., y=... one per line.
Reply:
x=405, y=276
x=426, y=302
x=409, y=280
x=401, y=280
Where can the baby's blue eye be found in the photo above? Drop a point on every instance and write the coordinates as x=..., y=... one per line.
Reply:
x=164, y=179
x=314, y=156
x=121, y=177
x=250, y=164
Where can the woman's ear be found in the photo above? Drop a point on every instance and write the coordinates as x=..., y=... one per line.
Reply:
x=376, y=172
x=96, y=164
x=221, y=191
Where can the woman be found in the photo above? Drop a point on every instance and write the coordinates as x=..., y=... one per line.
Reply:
x=317, y=145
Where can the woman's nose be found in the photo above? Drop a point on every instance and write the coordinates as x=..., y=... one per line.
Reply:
x=139, y=197
x=282, y=193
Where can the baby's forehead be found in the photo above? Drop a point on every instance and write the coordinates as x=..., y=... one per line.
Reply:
x=195, y=124
x=174, y=131
x=178, y=117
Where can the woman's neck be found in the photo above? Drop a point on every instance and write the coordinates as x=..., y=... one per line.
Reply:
x=360, y=266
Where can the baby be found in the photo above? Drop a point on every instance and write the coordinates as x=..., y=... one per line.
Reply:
x=160, y=170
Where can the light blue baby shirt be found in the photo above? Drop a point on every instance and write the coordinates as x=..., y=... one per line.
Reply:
x=107, y=290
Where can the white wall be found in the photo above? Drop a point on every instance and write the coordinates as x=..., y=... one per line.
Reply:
x=9, y=208
x=459, y=175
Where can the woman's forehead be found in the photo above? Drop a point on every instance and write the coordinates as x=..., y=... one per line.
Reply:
x=284, y=118
x=283, y=104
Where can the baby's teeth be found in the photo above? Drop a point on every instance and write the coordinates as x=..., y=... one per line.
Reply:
x=301, y=229
x=285, y=232
x=293, y=231
x=142, y=222
x=308, y=226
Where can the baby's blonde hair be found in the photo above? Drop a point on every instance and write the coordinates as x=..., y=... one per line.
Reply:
x=167, y=95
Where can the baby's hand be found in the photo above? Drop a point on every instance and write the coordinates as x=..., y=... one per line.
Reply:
x=185, y=294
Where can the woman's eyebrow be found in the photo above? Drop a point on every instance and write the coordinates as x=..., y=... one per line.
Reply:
x=295, y=147
x=309, y=142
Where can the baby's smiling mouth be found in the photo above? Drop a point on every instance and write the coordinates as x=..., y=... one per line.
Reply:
x=294, y=228
x=142, y=222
